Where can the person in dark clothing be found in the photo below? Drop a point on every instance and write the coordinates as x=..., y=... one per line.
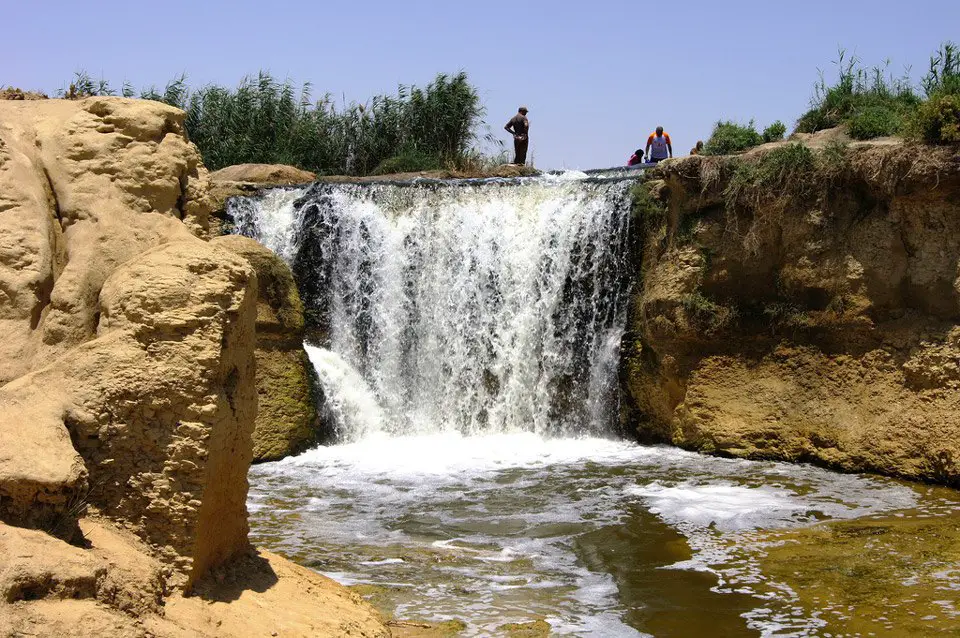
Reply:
x=519, y=127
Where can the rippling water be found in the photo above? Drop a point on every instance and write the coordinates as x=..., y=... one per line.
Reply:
x=598, y=537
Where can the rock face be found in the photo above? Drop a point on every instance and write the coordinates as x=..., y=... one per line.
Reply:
x=287, y=420
x=803, y=305
x=127, y=380
x=128, y=367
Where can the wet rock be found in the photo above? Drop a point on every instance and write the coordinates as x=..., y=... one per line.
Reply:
x=287, y=419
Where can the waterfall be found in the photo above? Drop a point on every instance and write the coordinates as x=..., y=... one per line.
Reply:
x=474, y=307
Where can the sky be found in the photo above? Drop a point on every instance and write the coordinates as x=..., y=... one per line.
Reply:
x=597, y=77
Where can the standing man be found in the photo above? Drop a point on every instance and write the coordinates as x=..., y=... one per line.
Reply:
x=519, y=127
x=662, y=148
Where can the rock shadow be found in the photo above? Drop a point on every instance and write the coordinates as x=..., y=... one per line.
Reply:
x=227, y=582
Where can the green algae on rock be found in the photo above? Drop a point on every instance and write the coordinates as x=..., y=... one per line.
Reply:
x=535, y=629
x=883, y=576
x=287, y=420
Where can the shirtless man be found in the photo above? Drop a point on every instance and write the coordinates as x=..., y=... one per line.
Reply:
x=519, y=127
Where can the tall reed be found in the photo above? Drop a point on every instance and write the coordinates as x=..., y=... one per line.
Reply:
x=263, y=120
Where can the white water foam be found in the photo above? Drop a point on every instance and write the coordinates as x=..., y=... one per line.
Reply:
x=349, y=399
x=482, y=308
x=269, y=218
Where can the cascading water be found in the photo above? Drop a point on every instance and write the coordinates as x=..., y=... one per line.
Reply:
x=476, y=308
x=467, y=338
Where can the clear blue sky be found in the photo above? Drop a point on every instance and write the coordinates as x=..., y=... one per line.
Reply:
x=597, y=76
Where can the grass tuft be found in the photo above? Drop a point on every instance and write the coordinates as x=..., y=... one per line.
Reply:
x=729, y=137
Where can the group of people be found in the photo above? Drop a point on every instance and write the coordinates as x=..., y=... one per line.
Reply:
x=658, y=148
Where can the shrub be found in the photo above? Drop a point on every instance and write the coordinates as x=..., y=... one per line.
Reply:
x=937, y=121
x=729, y=137
x=874, y=121
x=774, y=132
x=407, y=162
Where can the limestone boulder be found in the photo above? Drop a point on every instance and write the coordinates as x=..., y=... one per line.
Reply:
x=99, y=180
x=128, y=349
x=128, y=392
x=262, y=175
x=288, y=392
x=161, y=404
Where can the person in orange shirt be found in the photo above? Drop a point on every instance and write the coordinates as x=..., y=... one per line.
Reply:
x=662, y=148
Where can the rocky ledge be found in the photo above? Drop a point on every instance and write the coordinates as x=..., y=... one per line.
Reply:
x=802, y=303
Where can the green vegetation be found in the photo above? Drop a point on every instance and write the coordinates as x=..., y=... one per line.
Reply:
x=937, y=120
x=267, y=121
x=729, y=137
x=708, y=314
x=782, y=315
x=789, y=165
x=873, y=103
x=768, y=183
x=791, y=170
x=774, y=132
x=411, y=160
x=649, y=210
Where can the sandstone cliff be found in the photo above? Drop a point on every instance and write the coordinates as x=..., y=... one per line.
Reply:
x=802, y=302
x=127, y=388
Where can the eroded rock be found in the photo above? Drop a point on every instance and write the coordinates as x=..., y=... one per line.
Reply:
x=807, y=313
x=288, y=392
x=127, y=386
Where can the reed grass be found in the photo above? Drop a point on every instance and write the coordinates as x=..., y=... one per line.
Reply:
x=264, y=120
